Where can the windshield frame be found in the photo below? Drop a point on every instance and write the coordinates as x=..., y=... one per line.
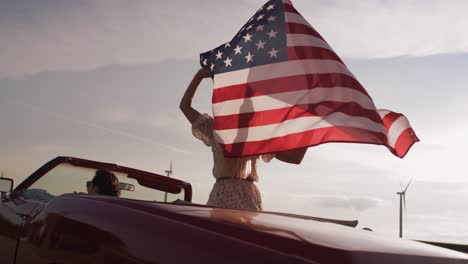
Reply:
x=147, y=179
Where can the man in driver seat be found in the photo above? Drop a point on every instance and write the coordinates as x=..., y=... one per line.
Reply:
x=104, y=183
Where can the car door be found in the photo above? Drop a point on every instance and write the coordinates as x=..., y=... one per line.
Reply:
x=14, y=213
x=74, y=229
x=10, y=224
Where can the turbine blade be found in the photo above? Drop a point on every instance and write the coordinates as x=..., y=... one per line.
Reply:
x=408, y=185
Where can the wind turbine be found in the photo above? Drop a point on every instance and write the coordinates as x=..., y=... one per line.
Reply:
x=169, y=173
x=403, y=203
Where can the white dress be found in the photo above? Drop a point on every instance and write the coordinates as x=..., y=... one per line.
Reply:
x=235, y=177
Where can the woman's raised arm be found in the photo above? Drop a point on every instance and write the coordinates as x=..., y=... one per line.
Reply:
x=186, y=102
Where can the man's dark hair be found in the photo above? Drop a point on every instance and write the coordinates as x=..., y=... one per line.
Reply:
x=107, y=183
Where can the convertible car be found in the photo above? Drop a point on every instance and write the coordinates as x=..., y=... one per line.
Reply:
x=48, y=219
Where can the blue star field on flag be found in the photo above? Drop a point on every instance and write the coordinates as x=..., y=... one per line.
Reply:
x=260, y=41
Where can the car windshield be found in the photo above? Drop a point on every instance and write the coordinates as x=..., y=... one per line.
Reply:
x=67, y=178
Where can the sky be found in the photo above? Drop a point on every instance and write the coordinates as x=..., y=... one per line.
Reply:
x=102, y=80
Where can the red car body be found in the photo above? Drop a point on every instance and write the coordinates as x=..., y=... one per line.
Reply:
x=77, y=228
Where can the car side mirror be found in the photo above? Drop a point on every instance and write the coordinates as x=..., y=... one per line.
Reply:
x=6, y=185
x=127, y=187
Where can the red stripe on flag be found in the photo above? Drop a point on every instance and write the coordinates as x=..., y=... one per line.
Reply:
x=286, y=84
x=268, y=117
x=304, y=53
x=304, y=139
x=290, y=9
x=295, y=28
x=406, y=139
x=390, y=118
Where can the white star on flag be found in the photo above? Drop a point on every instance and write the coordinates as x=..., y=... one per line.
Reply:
x=272, y=34
x=219, y=55
x=273, y=53
x=271, y=18
x=260, y=27
x=238, y=50
x=249, y=57
x=270, y=7
x=260, y=44
x=247, y=38
x=228, y=62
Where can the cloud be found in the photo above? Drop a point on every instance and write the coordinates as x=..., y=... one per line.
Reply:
x=53, y=35
x=86, y=34
x=95, y=126
x=46, y=148
x=439, y=228
x=115, y=114
x=160, y=120
x=356, y=203
x=380, y=29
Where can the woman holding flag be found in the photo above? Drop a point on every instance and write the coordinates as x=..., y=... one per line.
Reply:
x=235, y=177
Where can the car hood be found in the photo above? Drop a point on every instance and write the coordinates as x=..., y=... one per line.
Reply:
x=294, y=235
x=325, y=234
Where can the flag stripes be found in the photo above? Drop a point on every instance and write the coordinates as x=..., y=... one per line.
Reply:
x=297, y=125
x=308, y=138
x=302, y=53
x=285, y=84
x=307, y=96
x=274, y=116
x=287, y=99
x=279, y=70
x=306, y=40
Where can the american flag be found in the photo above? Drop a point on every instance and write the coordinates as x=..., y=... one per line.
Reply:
x=279, y=86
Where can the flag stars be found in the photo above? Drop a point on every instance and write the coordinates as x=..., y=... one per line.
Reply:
x=272, y=34
x=260, y=45
x=257, y=38
x=247, y=38
x=227, y=62
x=249, y=57
x=238, y=50
x=273, y=53
x=219, y=55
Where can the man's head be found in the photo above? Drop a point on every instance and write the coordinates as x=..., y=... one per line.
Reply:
x=105, y=183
